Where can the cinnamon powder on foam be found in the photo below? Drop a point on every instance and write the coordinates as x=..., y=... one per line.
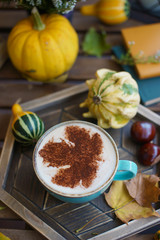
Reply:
x=82, y=153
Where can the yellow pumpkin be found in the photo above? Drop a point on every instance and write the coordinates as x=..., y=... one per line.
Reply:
x=43, y=47
x=108, y=11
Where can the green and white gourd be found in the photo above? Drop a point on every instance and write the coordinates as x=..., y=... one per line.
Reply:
x=113, y=98
x=27, y=127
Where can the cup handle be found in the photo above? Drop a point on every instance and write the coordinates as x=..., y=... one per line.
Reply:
x=126, y=170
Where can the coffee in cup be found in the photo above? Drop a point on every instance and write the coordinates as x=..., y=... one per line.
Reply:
x=76, y=160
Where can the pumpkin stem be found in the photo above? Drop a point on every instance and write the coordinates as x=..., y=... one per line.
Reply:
x=38, y=24
x=97, y=99
x=16, y=109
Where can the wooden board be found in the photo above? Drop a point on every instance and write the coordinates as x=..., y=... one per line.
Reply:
x=22, y=191
x=13, y=86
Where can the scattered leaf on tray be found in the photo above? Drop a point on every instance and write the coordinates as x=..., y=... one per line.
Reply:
x=143, y=188
x=123, y=202
x=95, y=43
x=126, y=208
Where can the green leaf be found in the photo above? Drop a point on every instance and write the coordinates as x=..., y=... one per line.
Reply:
x=129, y=89
x=95, y=43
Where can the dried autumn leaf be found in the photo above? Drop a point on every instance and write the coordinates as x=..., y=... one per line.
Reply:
x=126, y=208
x=143, y=188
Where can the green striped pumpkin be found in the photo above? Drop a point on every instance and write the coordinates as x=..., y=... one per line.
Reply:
x=27, y=127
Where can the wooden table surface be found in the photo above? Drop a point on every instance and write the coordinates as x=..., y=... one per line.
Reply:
x=13, y=87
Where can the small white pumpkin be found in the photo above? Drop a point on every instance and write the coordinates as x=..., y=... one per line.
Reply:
x=113, y=98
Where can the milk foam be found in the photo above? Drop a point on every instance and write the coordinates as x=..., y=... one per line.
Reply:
x=106, y=167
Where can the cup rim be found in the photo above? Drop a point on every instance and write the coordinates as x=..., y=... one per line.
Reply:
x=70, y=195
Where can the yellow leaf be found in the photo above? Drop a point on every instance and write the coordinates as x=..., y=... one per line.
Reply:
x=126, y=208
x=3, y=237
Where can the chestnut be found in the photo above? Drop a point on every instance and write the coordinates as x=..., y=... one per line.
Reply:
x=143, y=132
x=148, y=154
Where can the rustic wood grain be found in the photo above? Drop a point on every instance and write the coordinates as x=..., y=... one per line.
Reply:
x=13, y=86
x=155, y=108
x=81, y=70
x=33, y=235
x=23, y=185
x=7, y=213
x=83, y=23
x=5, y=115
x=8, y=71
x=5, y=5
x=13, y=91
x=22, y=234
x=85, y=68
x=8, y=18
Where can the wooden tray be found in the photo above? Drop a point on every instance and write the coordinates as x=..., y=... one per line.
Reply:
x=21, y=190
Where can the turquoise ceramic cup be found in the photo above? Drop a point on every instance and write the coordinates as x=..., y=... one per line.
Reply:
x=123, y=169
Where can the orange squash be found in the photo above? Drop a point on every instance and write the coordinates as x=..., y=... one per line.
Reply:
x=108, y=11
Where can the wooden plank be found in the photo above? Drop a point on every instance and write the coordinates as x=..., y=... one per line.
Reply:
x=24, y=92
x=8, y=71
x=6, y=5
x=26, y=182
x=141, y=237
x=12, y=224
x=3, y=51
x=84, y=23
x=34, y=235
x=23, y=234
x=1, y=146
x=73, y=218
x=5, y=115
x=7, y=213
x=8, y=18
x=82, y=3
x=85, y=67
x=155, y=108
